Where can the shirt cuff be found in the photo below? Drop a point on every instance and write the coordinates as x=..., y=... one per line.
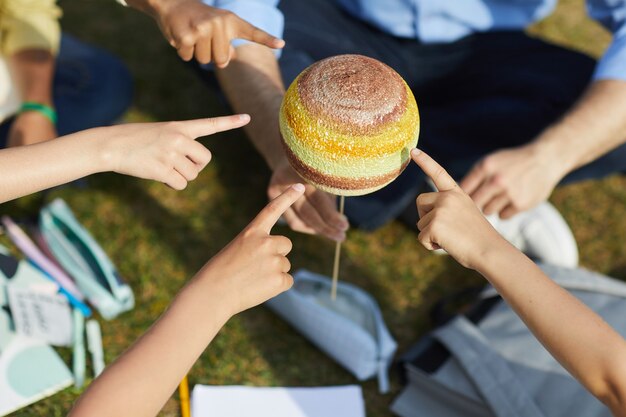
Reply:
x=612, y=66
x=264, y=15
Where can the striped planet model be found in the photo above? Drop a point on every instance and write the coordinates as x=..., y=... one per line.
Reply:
x=348, y=124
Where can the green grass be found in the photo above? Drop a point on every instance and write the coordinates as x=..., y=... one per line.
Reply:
x=159, y=237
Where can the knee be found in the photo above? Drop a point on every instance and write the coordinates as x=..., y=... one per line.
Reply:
x=114, y=85
x=91, y=86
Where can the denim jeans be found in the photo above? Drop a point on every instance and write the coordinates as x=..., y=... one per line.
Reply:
x=91, y=88
x=484, y=92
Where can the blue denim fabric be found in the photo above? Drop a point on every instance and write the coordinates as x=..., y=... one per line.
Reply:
x=91, y=88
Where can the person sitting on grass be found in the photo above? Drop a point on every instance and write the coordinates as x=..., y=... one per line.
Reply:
x=510, y=115
x=578, y=338
x=51, y=83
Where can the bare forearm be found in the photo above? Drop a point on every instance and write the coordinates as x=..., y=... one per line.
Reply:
x=595, y=126
x=143, y=378
x=253, y=85
x=28, y=169
x=576, y=336
x=34, y=72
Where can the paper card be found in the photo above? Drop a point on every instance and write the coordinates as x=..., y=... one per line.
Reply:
x=41, y=314
x=29, y=370
x=228, y=401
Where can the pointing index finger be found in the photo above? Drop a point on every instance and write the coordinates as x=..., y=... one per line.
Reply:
x=268, y=217
x=443, y=181
x=252, y=33
x=208, y=126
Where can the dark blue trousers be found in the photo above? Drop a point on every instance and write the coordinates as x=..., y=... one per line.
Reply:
x=482, y=93
x=91, y=88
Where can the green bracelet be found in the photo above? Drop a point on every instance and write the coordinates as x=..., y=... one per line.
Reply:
x=47, y=111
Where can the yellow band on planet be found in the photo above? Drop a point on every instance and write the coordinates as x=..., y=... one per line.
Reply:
x=320, y=137
x=349, y=167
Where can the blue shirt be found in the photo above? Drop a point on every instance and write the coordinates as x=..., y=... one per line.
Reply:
x=448, y=20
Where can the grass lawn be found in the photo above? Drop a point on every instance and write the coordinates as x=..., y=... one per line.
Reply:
x=159, y=237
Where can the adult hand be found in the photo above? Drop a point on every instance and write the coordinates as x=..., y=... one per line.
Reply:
x=512, y=180
x=29, y=128
x=450, y=220
x=314, y=214
x=254, y=267
x=195, y=29
x=166, y=152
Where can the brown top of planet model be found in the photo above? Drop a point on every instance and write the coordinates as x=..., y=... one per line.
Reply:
x=353, y=93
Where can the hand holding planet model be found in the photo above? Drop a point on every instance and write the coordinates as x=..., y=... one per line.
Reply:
x=348, y=124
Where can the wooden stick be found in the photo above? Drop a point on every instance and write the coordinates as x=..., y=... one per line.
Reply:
x=333, y=291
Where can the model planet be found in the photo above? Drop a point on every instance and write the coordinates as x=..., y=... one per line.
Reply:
x=348, y=124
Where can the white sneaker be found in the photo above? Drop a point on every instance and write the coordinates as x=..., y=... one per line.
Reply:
x=541, y=233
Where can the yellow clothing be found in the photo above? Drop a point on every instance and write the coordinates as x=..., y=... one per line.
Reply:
x=29, y=24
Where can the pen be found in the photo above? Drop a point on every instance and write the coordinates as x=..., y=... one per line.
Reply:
x=183, y=394
x=22, y=241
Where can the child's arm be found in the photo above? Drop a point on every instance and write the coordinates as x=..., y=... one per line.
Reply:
x=165, y=152
x=32, y=71
x=201, y=31
x=577, y=337
x=250, y=270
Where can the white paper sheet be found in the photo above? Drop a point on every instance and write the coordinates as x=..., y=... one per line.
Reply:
x=41, y=314
x=239, y=401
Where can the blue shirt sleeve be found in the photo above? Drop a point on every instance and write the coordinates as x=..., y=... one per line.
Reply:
x=612, y=15
x=263, y=14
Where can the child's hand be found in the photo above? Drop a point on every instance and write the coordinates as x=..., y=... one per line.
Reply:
x=450, y=220
x=254, y=267
x=195, y=29
x=165, y=152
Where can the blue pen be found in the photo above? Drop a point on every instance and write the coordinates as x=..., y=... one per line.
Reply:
x=82, y=307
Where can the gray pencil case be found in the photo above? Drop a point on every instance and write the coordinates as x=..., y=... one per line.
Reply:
x=350, y=329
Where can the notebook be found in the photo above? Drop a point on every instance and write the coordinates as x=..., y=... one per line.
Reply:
x=241, y=401
x=29, y=368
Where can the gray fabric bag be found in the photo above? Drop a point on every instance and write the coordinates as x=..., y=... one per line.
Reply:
x=350, y=329
x=487, y=363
